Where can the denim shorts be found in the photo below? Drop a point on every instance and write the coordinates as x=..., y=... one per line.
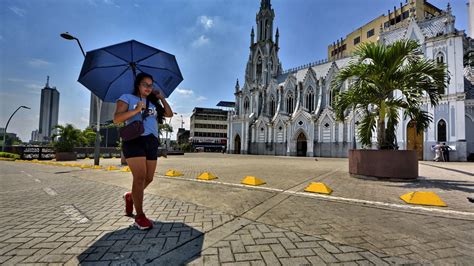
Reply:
x=143, y=146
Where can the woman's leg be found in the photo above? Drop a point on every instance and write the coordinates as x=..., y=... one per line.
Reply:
x=138, y=167
x=150, y=171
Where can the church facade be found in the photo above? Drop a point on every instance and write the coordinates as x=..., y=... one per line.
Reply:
x=290, y=112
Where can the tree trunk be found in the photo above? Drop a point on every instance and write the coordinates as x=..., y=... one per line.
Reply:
x=380, y=133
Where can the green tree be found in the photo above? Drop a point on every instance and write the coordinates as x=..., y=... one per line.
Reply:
x=69, y=137
x=88, y=136
x=374, y=77
x=166, y=128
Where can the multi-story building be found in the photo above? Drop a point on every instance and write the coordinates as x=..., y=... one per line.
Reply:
x=290, y=112
x=35, y=136
x=49, y=111
x=208, y=129
x=370, y=32
x=182, y=136
x=107, y=111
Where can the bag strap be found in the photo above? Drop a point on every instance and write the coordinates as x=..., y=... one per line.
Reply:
x=145, y=113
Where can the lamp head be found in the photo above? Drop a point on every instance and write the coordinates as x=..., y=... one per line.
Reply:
x=67, y=36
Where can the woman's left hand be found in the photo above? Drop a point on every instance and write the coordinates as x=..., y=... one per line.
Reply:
x=158, y=94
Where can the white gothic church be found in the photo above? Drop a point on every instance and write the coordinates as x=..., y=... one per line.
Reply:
x=290, y=112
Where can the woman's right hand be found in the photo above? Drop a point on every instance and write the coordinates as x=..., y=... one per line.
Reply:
x=140, y=106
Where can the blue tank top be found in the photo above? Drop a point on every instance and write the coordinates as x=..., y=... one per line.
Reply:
x=149, y=123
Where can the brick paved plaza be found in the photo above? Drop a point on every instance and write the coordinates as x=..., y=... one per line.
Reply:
x=68, y=215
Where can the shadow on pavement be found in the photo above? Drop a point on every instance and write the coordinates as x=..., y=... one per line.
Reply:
x=450, y=169
x=173, y=243
x=465, y=186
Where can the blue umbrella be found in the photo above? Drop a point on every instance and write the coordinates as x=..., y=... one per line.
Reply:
x=110, y=72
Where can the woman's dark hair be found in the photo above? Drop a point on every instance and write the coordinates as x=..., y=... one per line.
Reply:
x=151, y=98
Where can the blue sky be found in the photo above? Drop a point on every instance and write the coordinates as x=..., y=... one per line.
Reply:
x=210, y=39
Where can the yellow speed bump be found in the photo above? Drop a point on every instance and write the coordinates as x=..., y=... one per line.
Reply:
x=317, y=187
x=206, y=176
x=252, y=181
x=172, y=172
x=86, y=166
x=125, y=169
x=111, y=168
x=423, y=198
x=97, y=167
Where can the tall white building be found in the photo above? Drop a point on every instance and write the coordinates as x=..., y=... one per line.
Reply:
x=35, y=136
x=470, y=18
x=290, y=112
x=208, y=129
x=107, y=111
x=49, y=111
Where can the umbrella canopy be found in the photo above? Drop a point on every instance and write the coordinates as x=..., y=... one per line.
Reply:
x=110, y=72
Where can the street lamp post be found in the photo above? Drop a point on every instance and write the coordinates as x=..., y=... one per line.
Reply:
x=167, y=131
x=8, y=122
x=68, y=36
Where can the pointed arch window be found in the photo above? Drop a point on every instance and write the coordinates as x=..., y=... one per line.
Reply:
x=246, y=105
x=442, y=130
x=259, y=68
x=440, y=57
x=309, y=100
x=332, y=97
x=272, y=105
x=290, y=103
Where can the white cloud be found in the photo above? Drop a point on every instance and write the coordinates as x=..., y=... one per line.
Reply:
x=110, y=2
x=19, y=11
x=206, y=22
x=185, y=92
x=36, y=62
x=201, y=41
x=16, y=80
x=34, y=88
x=201, y=98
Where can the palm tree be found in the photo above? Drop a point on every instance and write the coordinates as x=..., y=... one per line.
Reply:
x=384, y=79
x=69, y=137
x=166, y=128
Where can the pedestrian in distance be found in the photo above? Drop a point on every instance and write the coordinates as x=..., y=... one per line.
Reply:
x=141, y=153
x=437, y=149
x=445, y=151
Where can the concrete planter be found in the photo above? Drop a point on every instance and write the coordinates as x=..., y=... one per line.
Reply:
x=384, y=164
x=66, y=156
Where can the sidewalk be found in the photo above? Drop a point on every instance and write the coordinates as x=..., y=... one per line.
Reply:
x=66, y=219
x=217, y=223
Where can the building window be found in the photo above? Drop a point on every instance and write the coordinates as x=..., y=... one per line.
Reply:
x=246, y=105
x=289, y=103
x=370, y=33
x=310, y=100
x=405, y=15
x=272, y=106
x=440, y=58
x=357, y=40
x=441, y=131
x=398, y=19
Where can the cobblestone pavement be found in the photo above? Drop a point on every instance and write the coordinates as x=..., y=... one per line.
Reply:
x=66, y=215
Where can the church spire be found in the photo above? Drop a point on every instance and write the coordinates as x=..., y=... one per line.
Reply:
x=277, y=36
x=252, y=38
x=265, y=4
x=265, y=21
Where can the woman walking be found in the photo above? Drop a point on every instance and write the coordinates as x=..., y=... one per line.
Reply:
x=141, y=153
